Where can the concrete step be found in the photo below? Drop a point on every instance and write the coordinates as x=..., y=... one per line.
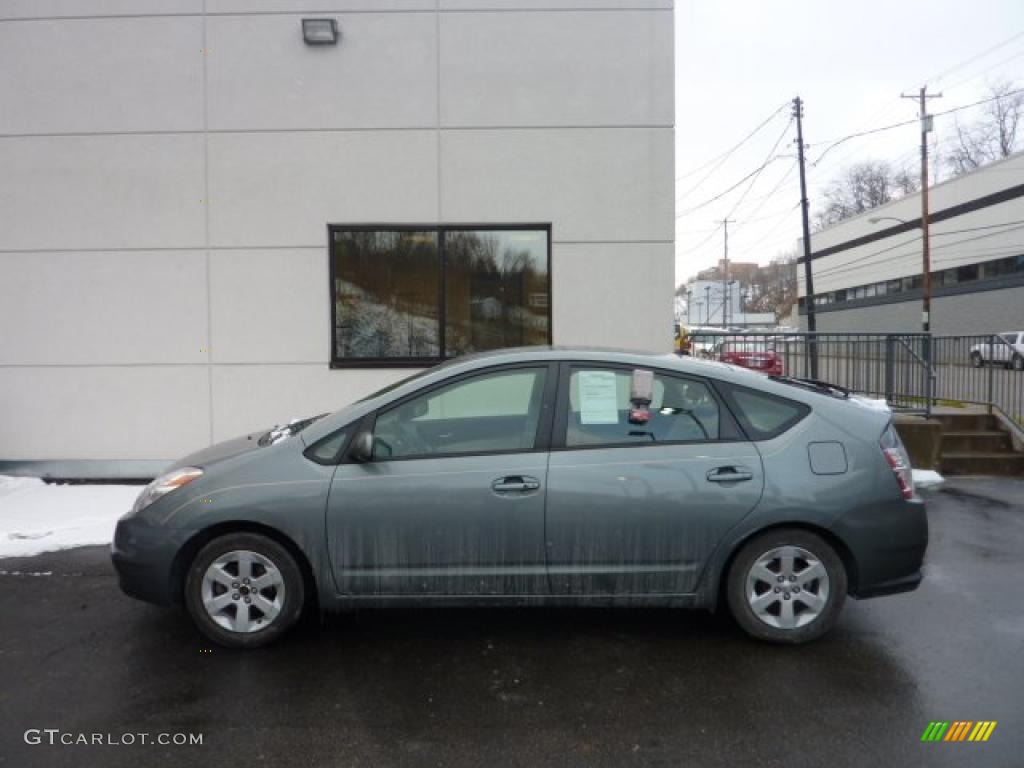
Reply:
x=972, y=421
x=976, y=441
x=998, y=463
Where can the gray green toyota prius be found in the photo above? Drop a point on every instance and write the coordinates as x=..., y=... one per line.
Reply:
x=541, y=476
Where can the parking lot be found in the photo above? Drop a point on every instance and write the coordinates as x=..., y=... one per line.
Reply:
x=531, y=688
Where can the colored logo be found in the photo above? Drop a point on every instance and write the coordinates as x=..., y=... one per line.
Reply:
x=959, y=730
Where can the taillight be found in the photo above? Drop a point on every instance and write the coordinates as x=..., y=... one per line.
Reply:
x=899, y=460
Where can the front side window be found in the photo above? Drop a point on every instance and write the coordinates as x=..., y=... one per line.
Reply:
x=489, y=413
x=420, y=295
x=601, y=413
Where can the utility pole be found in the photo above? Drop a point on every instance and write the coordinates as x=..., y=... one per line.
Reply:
x=926, y=261
x=707, y=305
x=725, y=273
x=812, y=325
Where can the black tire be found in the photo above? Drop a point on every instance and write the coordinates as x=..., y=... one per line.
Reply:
x=292, y=595
x=977, y=360
x=1018, y=363
x=761, y=545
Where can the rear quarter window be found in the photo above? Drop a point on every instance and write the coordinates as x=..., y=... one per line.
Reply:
x=763, y=416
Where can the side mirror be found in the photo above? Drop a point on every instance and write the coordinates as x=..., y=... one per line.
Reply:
x=362, y=447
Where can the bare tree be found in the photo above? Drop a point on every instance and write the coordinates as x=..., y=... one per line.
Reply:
x=860, y=188
x=991, y=137
x=773, y=287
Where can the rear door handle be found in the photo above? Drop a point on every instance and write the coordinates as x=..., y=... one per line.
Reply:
x=513, y=484
x=729, y=474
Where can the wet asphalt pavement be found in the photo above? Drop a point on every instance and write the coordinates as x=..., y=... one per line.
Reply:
x=531, y=687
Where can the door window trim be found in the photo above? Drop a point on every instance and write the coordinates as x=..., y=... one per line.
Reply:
x=726, y=421
x=542, y=437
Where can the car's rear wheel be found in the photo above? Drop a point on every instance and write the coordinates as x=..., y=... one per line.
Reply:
x=1018, y=363
x=786, y=586
x=976, y=359
x=244, y=590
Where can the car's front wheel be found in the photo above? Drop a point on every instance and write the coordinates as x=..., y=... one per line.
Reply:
x=1018, y=363
x=244, y=590
x=786, y=586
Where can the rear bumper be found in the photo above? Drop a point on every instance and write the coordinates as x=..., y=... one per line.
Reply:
x=887, y=543
x=143, y=557
x=894, y=587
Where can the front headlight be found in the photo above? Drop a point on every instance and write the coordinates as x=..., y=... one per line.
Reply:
x=164, y=484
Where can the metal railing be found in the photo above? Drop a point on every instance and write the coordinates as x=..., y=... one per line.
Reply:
x=913, y=372
x=984, y=370
x=895, y=367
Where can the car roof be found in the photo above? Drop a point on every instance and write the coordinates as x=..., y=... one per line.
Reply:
x=612, y=355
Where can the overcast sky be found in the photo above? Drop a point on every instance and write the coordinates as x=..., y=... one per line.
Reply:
x=738, y=61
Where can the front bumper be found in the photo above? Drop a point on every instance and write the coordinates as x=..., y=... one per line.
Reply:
x=143, y=556
x=887, y=543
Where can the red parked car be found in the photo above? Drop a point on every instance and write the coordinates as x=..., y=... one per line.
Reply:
x=755, y=355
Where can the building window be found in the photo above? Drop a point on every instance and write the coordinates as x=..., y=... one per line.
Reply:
x=404, y=295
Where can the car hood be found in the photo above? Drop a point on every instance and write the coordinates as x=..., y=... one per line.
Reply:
x=220, y=451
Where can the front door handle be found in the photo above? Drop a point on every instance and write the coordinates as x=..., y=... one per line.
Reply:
x=512, y=484
x=729, y=474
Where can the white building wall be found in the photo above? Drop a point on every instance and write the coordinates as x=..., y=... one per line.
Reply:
x=900, y=255
x=169, y=168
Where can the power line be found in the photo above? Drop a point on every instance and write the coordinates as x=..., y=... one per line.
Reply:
x=836, y=142
x=974, y=254
x=725, y=155
x=725, y=192
x=890, y=105
x=975, y=58
x=702, y=243
x=988, y=69
x=768, y=158
x=855, y=263
x=765, y=198
x=757, y=243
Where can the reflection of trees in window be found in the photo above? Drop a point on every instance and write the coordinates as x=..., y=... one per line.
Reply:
x=387, y=291
x=386, y=294
x=496, y=290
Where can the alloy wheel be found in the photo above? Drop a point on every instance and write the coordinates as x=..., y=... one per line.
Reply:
x=243, y=591
x=787, y=587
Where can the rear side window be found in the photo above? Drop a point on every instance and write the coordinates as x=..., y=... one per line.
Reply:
x=764, y=416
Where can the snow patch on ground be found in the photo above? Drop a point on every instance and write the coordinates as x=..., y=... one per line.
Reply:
x=36, y=517
x=926, y=478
